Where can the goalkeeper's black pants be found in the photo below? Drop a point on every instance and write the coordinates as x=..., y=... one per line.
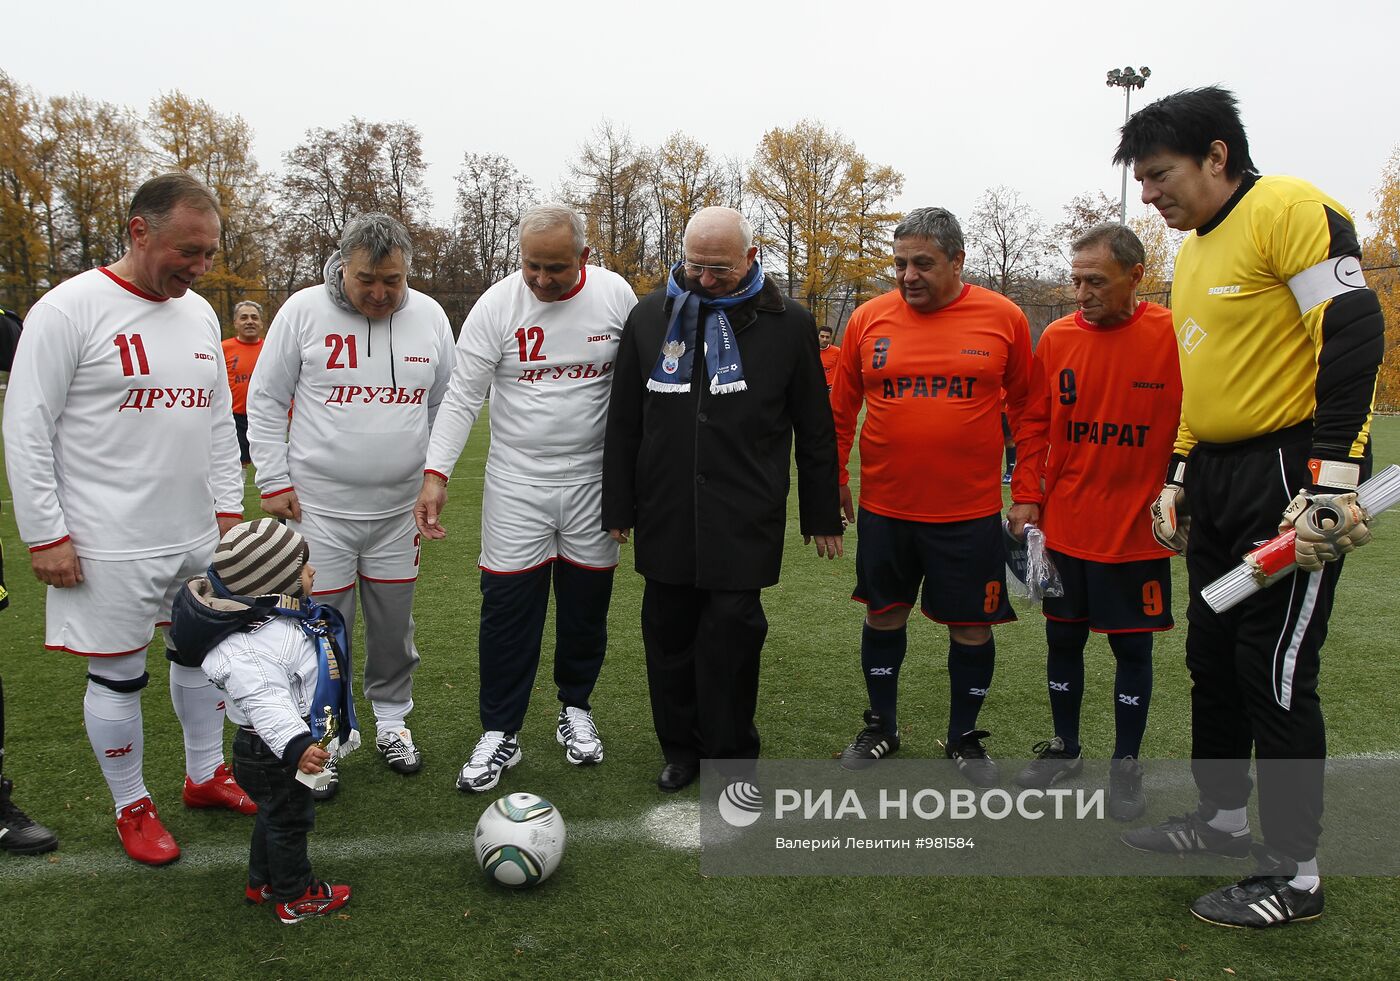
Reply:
x=1254, y=669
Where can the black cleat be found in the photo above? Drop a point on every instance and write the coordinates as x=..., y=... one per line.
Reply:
x=1189, y=834
x=971, y=757
x=1126, y=801
x=1052, y=764
x=1262, y=900
x=18, y=832
x=872, y=743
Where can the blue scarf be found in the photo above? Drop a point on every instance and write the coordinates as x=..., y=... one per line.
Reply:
x=722, y=363
x=325, y=627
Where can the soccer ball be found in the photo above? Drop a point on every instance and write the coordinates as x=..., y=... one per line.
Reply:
x=520, y=840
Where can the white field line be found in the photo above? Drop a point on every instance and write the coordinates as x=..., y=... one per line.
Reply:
x=674, y=825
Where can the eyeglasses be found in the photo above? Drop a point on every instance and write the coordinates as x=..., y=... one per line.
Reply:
x=719, y=272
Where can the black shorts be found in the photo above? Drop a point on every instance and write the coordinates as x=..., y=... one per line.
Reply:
x=960, y=563
x=1114, y=597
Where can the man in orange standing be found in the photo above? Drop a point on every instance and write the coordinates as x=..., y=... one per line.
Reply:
x=240, y=354
x=1097, y=432
x=830, y=355
x=929, y=361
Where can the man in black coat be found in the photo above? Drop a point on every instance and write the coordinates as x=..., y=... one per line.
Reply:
x=716, y=375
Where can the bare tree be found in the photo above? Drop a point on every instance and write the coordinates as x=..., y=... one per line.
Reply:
x=1007, y=245
x=491, y=196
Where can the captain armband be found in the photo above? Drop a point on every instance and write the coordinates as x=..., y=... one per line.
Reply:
x=1328, y=279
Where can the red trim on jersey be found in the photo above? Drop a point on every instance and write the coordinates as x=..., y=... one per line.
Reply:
x=582, y=278
x=130, y=288
x=1137, y=315
x=40, y=548
x=437, y=473
x=588, y=568
x=331, y=592
x=391, y=581
x=520, y=572
x=278, y=493
x=229, y=514
x=69, y=650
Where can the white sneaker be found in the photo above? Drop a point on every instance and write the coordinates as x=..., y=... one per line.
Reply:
x=579, y=736
x=396, y=746
x=494, y=753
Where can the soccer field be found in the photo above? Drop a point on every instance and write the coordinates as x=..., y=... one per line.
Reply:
x=629, y=900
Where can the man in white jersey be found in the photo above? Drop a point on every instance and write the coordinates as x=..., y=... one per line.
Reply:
x=367, y=360
x=121, y=453
x=543, y=343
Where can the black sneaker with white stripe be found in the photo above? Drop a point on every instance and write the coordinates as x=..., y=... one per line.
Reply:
x=971, y=757
x=1262, y=900
x=871, y=744
x=1052, y=764
x=1188, y=834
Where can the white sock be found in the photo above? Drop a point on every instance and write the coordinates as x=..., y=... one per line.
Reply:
x=390, y=716
x=200, y=708
x=1235, y=820
x=1307, y=879
x=114, y=728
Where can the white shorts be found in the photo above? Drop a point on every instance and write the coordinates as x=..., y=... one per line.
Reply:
x=344, y=549
x=115, y=609
x=524, y=526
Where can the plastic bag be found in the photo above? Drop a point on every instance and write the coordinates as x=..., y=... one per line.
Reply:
x=1030, y=574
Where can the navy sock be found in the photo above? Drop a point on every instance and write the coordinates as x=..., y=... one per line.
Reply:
x=1064, y=672
x=1132, y=691
x=969, y=679
x=881, y=654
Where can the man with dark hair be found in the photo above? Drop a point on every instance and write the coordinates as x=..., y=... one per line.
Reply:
x=831, y=354
x=18, y=832
x=1280, y=341
x=367, y=359
x=929, y=361
x=1098, y=430
x=717, y=378
x=121, y=454
x=240, y=358
x=542, y=342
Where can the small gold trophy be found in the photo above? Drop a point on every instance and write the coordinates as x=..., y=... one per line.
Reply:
x=319, y=781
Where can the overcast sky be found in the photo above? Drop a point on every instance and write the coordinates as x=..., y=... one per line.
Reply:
x=957, y=98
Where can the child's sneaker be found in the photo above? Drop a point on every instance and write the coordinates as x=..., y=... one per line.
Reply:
x=256, y=895
x=319, y=899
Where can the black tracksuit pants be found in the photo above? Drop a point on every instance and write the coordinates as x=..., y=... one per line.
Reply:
x=1254, y=669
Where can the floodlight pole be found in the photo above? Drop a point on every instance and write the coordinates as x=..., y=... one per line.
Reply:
x=1127, y=79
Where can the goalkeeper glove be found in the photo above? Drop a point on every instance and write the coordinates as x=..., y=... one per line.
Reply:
x=1328, y=524
x=1171, y=525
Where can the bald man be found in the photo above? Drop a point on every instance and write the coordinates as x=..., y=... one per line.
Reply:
x=717, y=375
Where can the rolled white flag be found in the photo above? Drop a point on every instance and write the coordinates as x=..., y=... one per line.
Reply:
x=1274, y=559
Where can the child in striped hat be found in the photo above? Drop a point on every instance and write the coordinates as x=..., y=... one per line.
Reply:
x=284, y=664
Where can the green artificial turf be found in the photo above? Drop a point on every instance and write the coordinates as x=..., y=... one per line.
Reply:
x=625, y=904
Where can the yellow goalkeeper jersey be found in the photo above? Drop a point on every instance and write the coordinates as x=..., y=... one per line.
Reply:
x=1250, y=356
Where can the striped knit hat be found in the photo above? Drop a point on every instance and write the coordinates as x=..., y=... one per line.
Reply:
x=260, y=557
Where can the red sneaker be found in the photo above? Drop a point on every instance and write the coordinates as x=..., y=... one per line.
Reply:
x=319, y=899
x=220, y=790
x=143, y=836
x=256, y=895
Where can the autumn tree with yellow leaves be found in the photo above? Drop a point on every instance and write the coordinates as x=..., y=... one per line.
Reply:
x=823, y=214
x=1381, y=258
